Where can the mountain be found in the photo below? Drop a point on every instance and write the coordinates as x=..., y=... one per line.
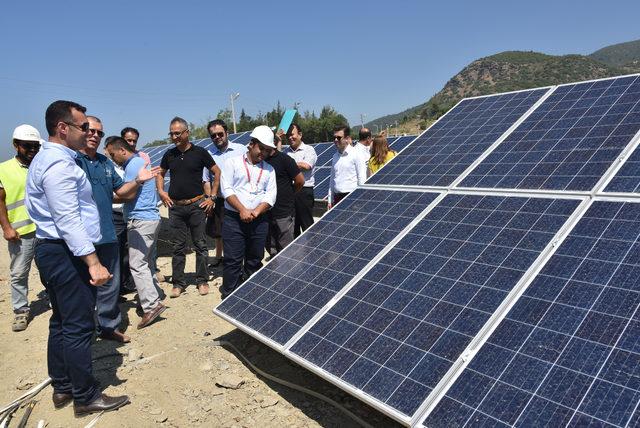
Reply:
x=516, y=70
x=619, y=55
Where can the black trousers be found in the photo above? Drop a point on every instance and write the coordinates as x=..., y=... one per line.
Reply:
x=243, y=242
x=304, y=201
x=71, y=326
x=182, y=220
x=126, y=282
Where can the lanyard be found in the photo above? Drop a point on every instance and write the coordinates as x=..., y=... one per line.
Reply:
x=246, y=168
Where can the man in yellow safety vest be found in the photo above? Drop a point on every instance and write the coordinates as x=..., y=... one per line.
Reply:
x=17, y=227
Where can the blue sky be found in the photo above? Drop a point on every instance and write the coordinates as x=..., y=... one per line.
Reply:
x=139, y=63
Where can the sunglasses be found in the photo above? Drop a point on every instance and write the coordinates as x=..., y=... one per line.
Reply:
x=84, y=127
x=177, y=133
x=337, y=137
x=98, y=132
x=30, y=147
x=216, y=135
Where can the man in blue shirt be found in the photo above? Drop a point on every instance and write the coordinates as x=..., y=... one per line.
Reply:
x=143, y=220
x=60, y=202
x=104, y=183
x=222, y=149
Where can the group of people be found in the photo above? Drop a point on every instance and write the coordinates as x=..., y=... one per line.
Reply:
x=91, y=221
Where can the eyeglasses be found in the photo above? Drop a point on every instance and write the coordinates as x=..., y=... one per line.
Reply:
x=216, y=135
x=337, y=137
x=177, y=133
x=30, y=147
x=84, y=127
x=98, y=132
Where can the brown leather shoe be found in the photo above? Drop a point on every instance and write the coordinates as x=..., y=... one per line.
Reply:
x=203, y=289
x=175, y=292
x=116, y=336
x=61, y=399
x=104, y=403
x=151, y=316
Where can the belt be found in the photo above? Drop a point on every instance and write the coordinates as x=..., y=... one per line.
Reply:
x=187, y=201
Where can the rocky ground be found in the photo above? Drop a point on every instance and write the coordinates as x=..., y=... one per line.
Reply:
x=172, y=371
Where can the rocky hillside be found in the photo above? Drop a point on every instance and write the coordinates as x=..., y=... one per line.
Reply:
x=620, y=55
x=510, y=71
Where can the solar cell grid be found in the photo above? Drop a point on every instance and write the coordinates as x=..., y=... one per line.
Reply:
x=451, y=145
x=627, y=179
x=568, y=142
x=279, y=299
x=399, y=329
x=402, y=142
x=568, y=352
x=321, y=188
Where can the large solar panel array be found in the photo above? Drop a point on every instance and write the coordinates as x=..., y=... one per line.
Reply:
x=511, y=297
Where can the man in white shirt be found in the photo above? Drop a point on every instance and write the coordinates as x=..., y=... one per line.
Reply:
x=305, y=157
x=363, y=146
x=248, y=185
x=347, y=169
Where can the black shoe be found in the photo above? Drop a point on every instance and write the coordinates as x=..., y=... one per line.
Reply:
x=104, y=403
x=61, y=399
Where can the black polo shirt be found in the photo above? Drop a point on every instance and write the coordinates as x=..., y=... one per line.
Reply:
x=286, y=170
x=186, y=170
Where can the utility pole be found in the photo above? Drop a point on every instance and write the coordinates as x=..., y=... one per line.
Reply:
x=362, y=116
x=234, y=97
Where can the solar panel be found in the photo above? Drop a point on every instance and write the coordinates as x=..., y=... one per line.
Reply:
x=453, y=143
x=321, y=187
x=568, y=352
x=243, y=138
x=627, y=179
x=282, y=297
x=570, y=140
x=324, y=158
x=400, y=328
x=402, y=142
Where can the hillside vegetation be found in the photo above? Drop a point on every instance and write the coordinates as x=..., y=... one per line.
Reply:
x=516, y=70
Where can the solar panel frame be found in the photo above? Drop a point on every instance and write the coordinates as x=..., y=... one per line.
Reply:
x=275, y=344
x=545, y=112
x=369, y=399
x=405, y=167
x=570, y=233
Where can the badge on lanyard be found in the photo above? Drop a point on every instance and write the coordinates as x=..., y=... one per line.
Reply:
x=254, y=190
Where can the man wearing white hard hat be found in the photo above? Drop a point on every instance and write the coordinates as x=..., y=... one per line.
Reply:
x=17, y=227
x=248, y=185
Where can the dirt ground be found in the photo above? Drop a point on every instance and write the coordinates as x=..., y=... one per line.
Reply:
x=170, y=369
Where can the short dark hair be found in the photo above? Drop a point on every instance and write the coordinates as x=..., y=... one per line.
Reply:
x=343, y=127
x=179, y=120
x=118, y=143
x=364, y=133
x=129, y=129
x=60, y=111
x=217, y=122
x=296, y=126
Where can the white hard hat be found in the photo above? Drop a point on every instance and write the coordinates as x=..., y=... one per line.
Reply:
x=26, y=133
x=264, y=134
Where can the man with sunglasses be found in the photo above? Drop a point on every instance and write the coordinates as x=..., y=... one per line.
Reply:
x=187, y=203
x=222, y=149
x=348, y=171
x=248, y=185
x=17, y=227
x=104, y=184
x=60, y=202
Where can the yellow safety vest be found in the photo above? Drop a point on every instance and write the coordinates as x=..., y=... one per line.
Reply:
x=14, y=180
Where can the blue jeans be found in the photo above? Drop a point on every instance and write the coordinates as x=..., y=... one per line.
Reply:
x=71, y=325
x=242, y=242
x=107, y=309
x=21, y=253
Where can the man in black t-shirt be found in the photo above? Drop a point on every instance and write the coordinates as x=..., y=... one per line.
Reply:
x=289, y=180
x=188, y=205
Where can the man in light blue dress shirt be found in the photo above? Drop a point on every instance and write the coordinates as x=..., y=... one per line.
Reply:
x=222, y=149
x=60, y=202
